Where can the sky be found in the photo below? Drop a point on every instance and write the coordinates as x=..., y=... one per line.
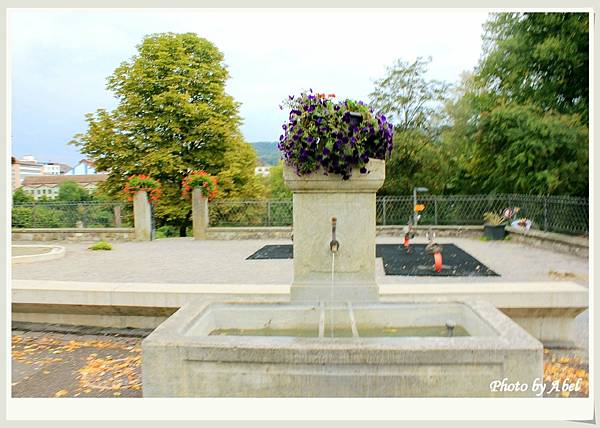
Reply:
x=60, y=59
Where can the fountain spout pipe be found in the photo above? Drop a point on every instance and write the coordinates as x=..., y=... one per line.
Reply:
x=334, y=245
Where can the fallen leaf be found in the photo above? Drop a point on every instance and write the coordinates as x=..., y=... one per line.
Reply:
x=61, y=393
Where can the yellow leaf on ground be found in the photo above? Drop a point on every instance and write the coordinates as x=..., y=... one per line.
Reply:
x=61, y=393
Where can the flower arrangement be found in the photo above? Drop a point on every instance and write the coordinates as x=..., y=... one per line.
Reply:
x=333, y=136
x=135, y=183
x=204, y=181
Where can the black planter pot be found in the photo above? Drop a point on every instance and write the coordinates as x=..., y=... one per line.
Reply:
x=494, y=232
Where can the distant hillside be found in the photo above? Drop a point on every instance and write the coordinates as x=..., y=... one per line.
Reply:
x=267, y=152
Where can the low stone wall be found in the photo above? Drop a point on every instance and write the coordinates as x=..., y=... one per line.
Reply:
x=575, y=245
x=74, y=234
x=230, y=233
x=440, y=231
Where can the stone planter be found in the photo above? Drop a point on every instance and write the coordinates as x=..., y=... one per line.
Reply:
x=494, y=232
x=317, y=199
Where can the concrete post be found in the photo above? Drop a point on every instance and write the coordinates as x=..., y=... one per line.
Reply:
x=142, y=216
x=199, y=214
x=117, y=215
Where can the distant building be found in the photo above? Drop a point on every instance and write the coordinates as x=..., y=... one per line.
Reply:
x=262, y=170
x=55, y=168
x=84, y=167
x=22, y=168
x=51, y=169
x=47, y=185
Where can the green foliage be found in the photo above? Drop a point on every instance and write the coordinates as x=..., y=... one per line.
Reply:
x=416, y=160
x=519, y=124
x=522, y=150
x=71, y=191
x=173, y=116
x=414, y=103
x=540, y=59
x=101, y=245
x=21, y=197
x=407, y=97
x=166, y=232
x=22, y=217
x=277, y=187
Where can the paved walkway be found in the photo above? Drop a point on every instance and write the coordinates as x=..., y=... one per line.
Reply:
x=184, y=260
x=187, y=261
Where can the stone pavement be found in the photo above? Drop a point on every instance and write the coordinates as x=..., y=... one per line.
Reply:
x=184, y=260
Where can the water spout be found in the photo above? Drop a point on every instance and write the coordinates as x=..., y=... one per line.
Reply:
x=334, y=245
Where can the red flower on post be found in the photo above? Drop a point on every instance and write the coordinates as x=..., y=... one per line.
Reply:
x=142, y=182
x=204, y=181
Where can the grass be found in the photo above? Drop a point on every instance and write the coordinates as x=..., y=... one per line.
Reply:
x=101, y=245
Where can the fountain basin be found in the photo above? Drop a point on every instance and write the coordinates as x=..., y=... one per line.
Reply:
x=377, y=350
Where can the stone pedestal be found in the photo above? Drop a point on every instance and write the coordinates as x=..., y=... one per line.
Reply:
x=317, y=199
x=199, y=213
x=142, y=216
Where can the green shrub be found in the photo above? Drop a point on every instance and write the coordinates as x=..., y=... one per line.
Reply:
x=101, y=245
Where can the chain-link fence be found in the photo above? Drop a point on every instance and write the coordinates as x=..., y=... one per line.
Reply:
x=50, y=214
x=250, y=213
x=562, y=214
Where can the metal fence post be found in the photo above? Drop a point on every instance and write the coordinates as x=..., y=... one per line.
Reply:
x=269, y=213
x=384, y=210
x=33, y=215
x=435, y=209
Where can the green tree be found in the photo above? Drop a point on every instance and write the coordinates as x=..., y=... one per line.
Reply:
x=71, y=191
x=540, y=59
x=407, y=97
x=519, y=123
x=521, y=149
x=21, y=197
x=414, y=104
x=173, y=116
x=277, y=186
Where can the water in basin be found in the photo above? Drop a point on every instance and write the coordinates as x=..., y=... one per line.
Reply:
x=369, y=331
x=421, y=331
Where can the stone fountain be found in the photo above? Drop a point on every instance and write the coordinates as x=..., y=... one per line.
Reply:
x=334, y=338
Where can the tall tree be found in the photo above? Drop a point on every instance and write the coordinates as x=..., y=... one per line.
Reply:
x=413, y=103
x=407, y=97
x=539, y=58
x=519, y=124
x=173, y=116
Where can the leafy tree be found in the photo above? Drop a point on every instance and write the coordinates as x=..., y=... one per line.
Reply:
x=519, y=123
x=71, y=191
x=173, y=116
x=523, y=150
x=414, y=104
x=277, y=187
x=540, y=59
x=21, y=197
x=407, y=97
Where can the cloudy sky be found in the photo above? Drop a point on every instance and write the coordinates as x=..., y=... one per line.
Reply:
x=60, y=60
